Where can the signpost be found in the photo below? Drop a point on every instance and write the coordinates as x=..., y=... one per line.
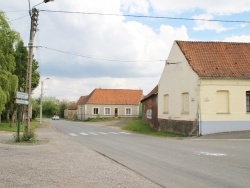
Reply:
x=22, y=95
x=21, y=98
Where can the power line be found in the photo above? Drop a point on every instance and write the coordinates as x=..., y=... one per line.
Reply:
x=154, y=17
x=16, y=11
x=91, y=57
x=19, y=18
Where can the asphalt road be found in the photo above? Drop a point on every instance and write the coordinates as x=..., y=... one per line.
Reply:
x=168, y=162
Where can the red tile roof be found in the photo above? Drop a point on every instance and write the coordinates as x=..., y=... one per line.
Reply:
x=217, y=59
x=114, y=97
x=151, y=93
x=81, y=99
x=74, y=106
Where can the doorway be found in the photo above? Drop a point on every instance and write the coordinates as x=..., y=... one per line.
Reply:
x=116, y=112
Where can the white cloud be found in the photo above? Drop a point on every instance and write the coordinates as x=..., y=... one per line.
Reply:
x=222, y=7
x=139, y=6
x=208, y=25
x=109, y=37
x=240, y=38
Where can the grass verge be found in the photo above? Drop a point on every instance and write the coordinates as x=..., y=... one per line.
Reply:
x=6, y=127
x=140, y=127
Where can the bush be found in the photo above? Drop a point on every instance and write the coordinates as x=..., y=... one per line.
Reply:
x=30, y=136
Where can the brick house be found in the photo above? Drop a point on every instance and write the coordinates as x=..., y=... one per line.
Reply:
x=150, y=108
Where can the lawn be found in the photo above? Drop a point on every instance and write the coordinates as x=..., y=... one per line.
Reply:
x=139, y=126
x=6, y=126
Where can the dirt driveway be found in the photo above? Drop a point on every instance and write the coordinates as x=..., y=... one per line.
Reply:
x=59, y=161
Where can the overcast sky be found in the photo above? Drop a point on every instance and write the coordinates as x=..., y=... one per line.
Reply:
x=80, y=52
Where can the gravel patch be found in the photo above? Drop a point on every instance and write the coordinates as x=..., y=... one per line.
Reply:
x=58, y=161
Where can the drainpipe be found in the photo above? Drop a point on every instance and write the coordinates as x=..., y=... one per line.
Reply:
x=198, y=109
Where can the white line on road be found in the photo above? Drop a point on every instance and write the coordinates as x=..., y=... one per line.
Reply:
x=125, y=133
x=92, y=133
x=113, y=133
x=73, y=134
x=211, y=154
x=102, y=133
x=84, y=134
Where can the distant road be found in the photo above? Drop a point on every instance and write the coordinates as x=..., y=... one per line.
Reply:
x=166, y=161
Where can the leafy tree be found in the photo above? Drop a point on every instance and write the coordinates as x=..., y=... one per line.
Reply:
x=13, y=68
x=62, y=106
x=50, y=106
x=8, y=81
x=35, y=108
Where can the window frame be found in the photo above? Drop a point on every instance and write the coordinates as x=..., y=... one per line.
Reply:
x=185, y=104
x=93, y=110
x=248, y=101
x=166, y=104
x=105, y=110
x=128, y=108
x=218, y=105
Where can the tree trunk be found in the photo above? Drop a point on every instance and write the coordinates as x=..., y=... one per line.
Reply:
x=13, y=118
x=8, y=116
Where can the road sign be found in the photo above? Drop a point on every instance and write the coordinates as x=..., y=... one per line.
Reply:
x=20, y=101
x=22, y=95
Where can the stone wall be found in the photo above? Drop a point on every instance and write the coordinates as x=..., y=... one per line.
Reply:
x=189, y=128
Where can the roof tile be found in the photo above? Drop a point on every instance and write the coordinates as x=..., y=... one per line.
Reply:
x=217, y=59
x=114, y=97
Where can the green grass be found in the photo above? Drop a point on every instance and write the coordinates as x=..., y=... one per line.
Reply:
x=140, y=127
x=6, y=126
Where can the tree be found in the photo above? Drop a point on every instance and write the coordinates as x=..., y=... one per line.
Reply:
x=50, y=106
x=35, y=108
x=62, y=106
x=13, y=68
x=8, y=81
x=21, y=58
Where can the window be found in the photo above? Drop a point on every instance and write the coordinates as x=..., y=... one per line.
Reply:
x=107, y=111
x=128, y=111
x=185, y=103
x=166, y=104
x=96, y=111
x=248, y=101
x=149, y=113
x=222, y=101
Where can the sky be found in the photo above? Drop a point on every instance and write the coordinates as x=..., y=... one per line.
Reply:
x=86, y=44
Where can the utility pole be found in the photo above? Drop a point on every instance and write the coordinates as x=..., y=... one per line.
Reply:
x=41, y=102
x=33, y=28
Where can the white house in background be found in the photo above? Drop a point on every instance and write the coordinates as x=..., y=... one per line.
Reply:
x=205, y=88
x=110, y=103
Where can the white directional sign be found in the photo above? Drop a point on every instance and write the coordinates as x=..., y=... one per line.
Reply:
x=21, y=95
x=20, y=101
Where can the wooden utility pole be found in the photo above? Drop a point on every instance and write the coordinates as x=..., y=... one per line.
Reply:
x=33, y=28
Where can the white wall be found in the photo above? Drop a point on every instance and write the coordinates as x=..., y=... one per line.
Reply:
x=177, y=78
x=237, y=118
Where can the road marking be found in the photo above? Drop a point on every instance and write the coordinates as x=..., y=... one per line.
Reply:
x=211, y=154
x=84, y=134
x=73, y=134
x=92, y=133
x=125, y=133
x=98, y=133
x=102, y=133
x=113, y=133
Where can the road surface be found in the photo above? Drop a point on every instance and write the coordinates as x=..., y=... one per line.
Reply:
x=169, y=162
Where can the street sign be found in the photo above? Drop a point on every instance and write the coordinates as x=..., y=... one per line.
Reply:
x=22, y=95
x=20, y=101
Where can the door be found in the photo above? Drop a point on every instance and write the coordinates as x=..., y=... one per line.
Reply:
x=116, y=112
